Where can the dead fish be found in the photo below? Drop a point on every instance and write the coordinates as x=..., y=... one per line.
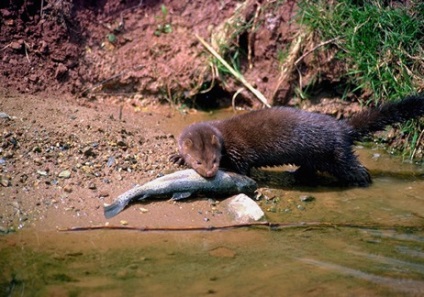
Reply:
x=183, y=184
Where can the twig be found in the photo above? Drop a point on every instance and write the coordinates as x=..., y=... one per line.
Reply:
x=213, y=80
x=6, y=46
x=272, y=226
x=87, y=90
x=418, y=144
x=120, y=112
x=250, y=36
x=104, y=81
x=237, y=75
x=288, y=65
x=233, y=100
x=26, y=46
x=314, y=48
x=41, y=9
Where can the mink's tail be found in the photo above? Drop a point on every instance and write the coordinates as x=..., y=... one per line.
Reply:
x=375, y=119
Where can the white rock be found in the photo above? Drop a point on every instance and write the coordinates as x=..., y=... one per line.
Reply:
x=244, y=209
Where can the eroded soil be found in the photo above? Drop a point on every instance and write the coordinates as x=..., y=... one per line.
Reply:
x=120, y=48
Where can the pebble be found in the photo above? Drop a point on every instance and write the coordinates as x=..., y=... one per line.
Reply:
x=42, y=172
x=245, y=209
x=4, y=115
x=67, y=188
x=92, y=186
x=110, y=161
x=17, y=45
x=306, y=198
x=5, y=182
x=65, y=174
x=103, y=194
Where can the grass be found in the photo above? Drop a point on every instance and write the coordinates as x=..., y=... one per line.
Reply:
x=163, y=26
x=381, y=46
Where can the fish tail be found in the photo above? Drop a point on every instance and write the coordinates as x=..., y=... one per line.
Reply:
x=114, y=208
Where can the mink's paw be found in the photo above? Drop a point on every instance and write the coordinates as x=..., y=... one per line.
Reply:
x=177, y=159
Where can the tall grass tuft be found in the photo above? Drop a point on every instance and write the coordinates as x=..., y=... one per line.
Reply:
x=381, y=45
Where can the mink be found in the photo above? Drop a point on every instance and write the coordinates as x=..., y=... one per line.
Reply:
x=284, y=135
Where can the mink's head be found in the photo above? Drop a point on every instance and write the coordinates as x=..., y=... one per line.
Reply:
x=200, y=145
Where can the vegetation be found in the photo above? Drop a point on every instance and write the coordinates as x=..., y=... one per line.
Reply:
x=381, y=46
x=163, y=27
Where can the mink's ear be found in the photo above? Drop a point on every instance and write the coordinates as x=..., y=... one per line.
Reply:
x=214, y=140
x=187, y=143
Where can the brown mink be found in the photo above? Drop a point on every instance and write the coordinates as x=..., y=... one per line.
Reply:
x=284, y=135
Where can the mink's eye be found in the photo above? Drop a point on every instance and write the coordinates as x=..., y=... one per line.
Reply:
x=199, y=162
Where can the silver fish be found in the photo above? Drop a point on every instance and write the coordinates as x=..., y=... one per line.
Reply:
x=183, y=184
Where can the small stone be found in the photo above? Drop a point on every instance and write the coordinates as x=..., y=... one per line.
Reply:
x=16, y=45
x=42, y=172
x=143, y=210
x=88, y=152
x=300, y=207
x=4, y=115
x=65, y=174
x=110, y=161
x=92, y=186
x=67, y=189
x=306, y=198
x=271, y=209
x=376, y=156
x=103, y=194
x=4, y=181
x=124, y=223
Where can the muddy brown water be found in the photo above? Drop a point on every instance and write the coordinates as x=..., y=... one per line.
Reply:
x=373, y=245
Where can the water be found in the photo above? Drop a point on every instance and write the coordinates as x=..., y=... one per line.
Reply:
x=371, y=243
x=301, y=262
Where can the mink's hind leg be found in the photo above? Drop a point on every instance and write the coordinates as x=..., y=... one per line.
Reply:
x=350, y=172
x=306, y=175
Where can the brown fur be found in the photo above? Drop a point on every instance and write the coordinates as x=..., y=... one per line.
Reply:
x=283, y=135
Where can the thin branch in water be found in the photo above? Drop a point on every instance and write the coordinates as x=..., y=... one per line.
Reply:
x=271, y=226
